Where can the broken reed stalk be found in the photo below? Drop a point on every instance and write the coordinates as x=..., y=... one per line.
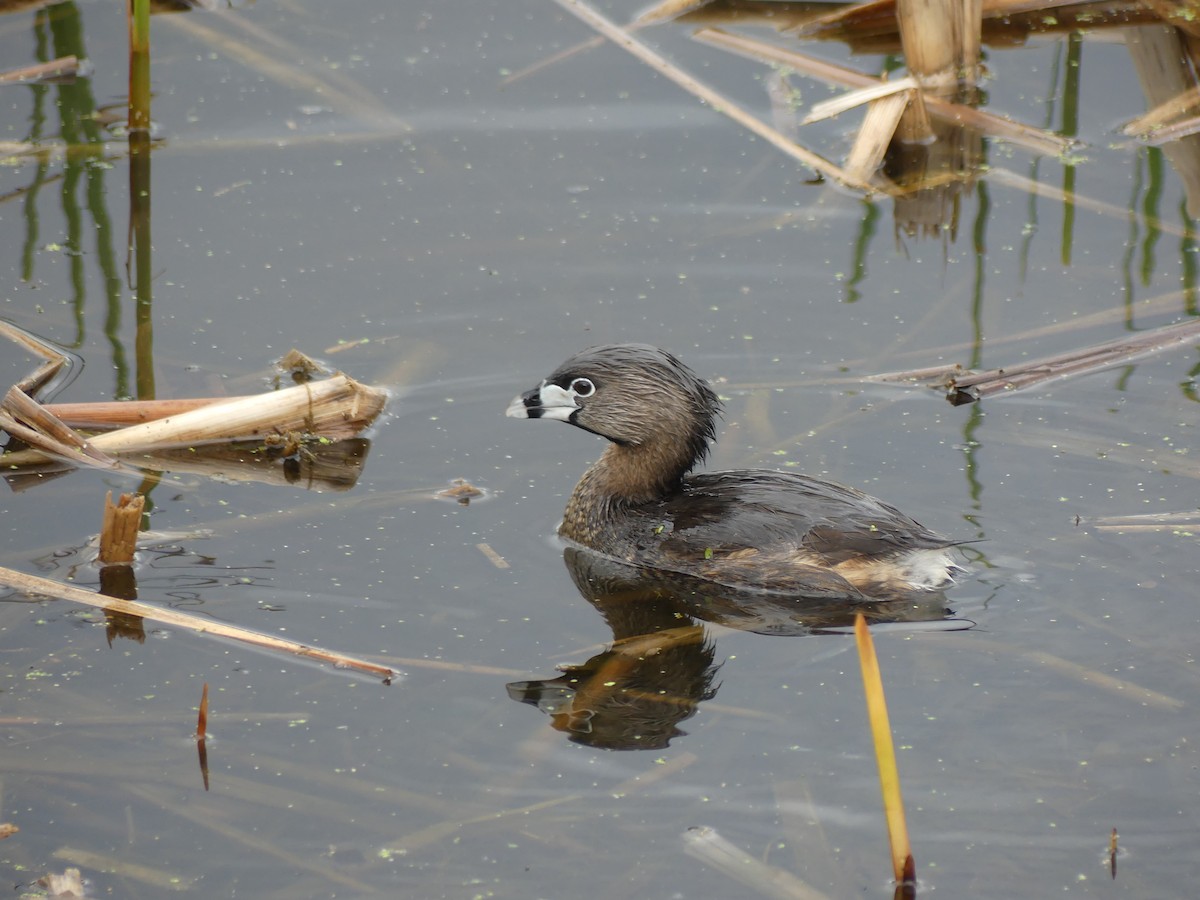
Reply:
x=32, y=584
x=990, y=124
x=875, y=135
x=334, y=408
x=118, y=413
x=54, y=360
x=903, y=866
x=626, y=41
x=53, y=438
x=937, y=36
x=118, y=535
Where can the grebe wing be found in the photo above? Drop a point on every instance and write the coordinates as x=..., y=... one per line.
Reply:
x=765, y=509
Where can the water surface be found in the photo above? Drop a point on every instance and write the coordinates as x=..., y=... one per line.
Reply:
x=359, y=182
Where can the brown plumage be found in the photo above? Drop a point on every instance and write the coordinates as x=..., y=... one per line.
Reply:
x=756, y=528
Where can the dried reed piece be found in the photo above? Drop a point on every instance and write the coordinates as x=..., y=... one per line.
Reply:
x=990, y=124
x=32, y=584
x=936, y=36
x=63, y=67
x=46, y=428
x=708, y=846
x=1183, y=523
x=55, y=360
x=903, y=867
x=875, y=134
x=105, y=414
x=623, y=39
x=972, y=386
x=118, y=534
x=334, y=408
x=876, y=90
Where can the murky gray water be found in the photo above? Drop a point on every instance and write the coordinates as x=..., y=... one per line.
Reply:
x=355, y=181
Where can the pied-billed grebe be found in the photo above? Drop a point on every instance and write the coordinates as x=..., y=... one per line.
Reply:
x=755, y=528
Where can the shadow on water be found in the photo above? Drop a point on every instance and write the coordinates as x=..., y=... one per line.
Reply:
x=660, y=664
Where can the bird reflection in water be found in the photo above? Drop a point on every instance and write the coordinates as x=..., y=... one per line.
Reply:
x=661, y=663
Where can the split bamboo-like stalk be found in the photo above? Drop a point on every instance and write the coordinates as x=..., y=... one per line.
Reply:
x=53, y=363
x=27, y=419
x=32, y=584
x=334, y=408
x=874, y=90
x=875, y=134
x=934, y=35
x=118, y=535
x=104, y=414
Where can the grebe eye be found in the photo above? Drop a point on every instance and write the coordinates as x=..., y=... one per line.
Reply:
x=583, y=387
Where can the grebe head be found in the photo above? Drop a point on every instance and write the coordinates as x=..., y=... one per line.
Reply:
x=633, y=394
